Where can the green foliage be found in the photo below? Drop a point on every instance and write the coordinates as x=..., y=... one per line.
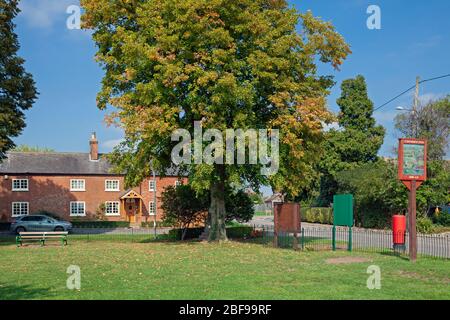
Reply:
x=100, y=212
x=189, y=233
x=27, y=148
x=239, y=206
x=234, y=232
x=379, y=194
x=239, y=232
x=317, y=215
x=4, y=226
x=183, y=206
x=17, y=87
x=430, y=122
x=159, y=224
x=257, y=198
x=442, y=219
x=229, y=64
x=100, y=224
x=356, y=143
x=424, y=225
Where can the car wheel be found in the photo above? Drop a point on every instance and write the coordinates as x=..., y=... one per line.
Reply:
x=20, y=229
x=59, y=229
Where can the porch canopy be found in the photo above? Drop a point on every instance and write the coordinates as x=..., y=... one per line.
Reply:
x=132, y=198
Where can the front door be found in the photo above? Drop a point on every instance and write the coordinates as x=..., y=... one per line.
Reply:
x=131, y=209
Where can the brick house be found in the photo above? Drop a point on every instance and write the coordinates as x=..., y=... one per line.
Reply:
x=76, y=186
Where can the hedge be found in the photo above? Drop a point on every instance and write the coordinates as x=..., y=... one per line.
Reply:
x=239, y=232
x=317, y=215
x=191, y=233
x=100, y=224
x=5, y=226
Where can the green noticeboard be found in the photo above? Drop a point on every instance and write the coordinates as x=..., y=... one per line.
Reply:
x=343, y=210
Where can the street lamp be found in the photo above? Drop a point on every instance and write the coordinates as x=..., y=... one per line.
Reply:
x=154, y=197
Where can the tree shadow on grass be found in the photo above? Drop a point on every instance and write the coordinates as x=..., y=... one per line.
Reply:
x=394, y=254
x=24, y=292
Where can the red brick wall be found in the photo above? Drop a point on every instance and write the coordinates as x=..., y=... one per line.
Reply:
x=52, y=194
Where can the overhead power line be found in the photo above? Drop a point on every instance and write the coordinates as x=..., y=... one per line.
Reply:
x=409, y=89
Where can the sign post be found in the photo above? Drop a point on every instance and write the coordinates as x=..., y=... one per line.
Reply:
x=412, y=171
x=342, y=216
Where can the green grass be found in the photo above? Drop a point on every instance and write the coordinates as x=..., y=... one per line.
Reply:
x=194, y=270
x=262, y=214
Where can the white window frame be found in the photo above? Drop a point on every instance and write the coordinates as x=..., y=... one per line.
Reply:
x=178, y=183
x=150, y=187
x=109, y=189
x=112, y=213
x=77, y=189
x=20, y=203
x=151, y=207
x=77, y=214
x=20, y=185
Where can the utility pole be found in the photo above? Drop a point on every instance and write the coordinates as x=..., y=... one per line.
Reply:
x=415, y=134
x=412, y=192
x=415, y=107
x=154, y=197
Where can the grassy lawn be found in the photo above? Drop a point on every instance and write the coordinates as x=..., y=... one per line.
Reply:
x=193, y=270
x=261, y=214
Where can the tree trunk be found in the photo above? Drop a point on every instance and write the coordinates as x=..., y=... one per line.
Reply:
x=217, y=213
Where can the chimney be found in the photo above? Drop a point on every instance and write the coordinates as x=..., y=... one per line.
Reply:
x=93, y=143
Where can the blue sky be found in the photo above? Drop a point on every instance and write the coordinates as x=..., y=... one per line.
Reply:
x=414, y=40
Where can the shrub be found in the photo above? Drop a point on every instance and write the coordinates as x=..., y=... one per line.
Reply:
x=239, y=206
x=239, y=232
x=443, y=219
x=317, y=215
x=159, y=224
x=100, y=224
x=424, y=225
x=5, y=226
x=191, y=233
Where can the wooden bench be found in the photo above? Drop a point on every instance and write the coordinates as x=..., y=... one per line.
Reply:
x=42, y=237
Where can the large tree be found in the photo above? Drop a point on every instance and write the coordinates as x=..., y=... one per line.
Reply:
x=430, y=121
x=355, y=142
x=17, y=88
x=226, y=63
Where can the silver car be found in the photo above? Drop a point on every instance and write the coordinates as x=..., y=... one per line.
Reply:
x=39, y=223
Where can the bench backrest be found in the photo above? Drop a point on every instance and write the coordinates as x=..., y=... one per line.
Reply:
x=49, y=233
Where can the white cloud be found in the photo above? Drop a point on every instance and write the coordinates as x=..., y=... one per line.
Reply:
x=45, y=13
x=108, y=145
x=425, y=98
x=328, y=127
x=430, y=42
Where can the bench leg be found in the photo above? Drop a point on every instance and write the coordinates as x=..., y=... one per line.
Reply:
x=18, y=241
x=42, y=243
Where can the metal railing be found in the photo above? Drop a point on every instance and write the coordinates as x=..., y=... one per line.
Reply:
x=365, y=240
